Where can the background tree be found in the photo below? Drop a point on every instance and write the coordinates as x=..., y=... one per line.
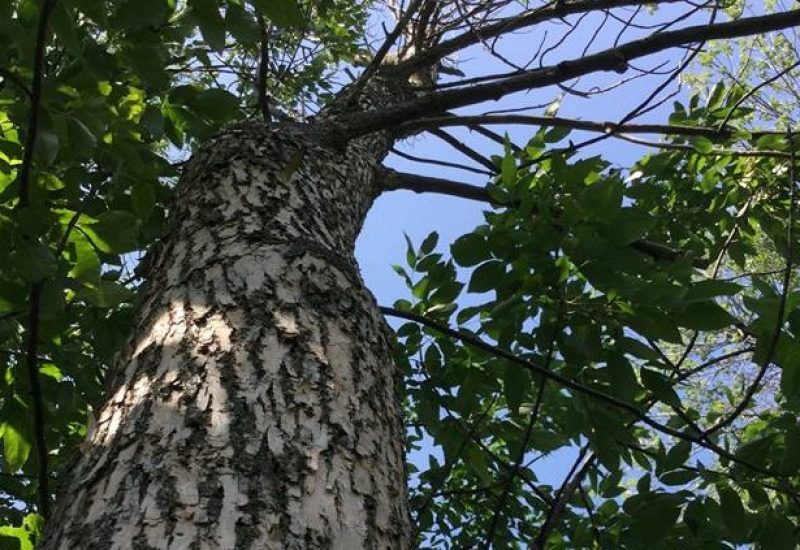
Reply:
x=249, y=395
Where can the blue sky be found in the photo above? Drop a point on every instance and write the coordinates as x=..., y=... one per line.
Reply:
x=382, y=243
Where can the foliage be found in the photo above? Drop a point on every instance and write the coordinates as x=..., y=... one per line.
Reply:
x=556, y=282
x=769, y=66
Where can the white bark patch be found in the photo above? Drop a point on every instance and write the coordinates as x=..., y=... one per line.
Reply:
x=286, y=324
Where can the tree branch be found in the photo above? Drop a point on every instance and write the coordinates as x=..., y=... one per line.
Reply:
x=380, y=55
x=588, y=391
x=35, y=295
x=262, y=97
x=548, y=12
x=776, y=335
x=464, y=149
x=572, y=481
x=604, y=127
x=501, y=503
x=394, y=180
x=613, y=59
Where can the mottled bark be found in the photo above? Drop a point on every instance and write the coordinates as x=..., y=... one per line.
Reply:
x=256, y=404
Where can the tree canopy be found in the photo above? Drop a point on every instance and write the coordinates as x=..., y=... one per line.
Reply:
x=638, y=322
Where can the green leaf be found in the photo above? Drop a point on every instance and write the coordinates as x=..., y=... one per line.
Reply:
x=241, y=24
x=704, y=290
x=470, y=249
x=790, y=382
x=400, y=270
x=777, y=533
x=630, y=225
x=790, y=461
x=757, y=451
x=733, y=514
x=429, y=243
x=21, y=536
x=411, y=254
x=114, y=232
x=216, y=104
x=106, y=294
x=212, y=25
x=284, y=13
x=660, y=387
x=705, y=316
x=138, y=14
x=34, y=261
x=420, y=290
x=654, y=324
x=638, y=349
x=143, y=198
x=87, y=264
x=52, y=302
x=787, y=356
x=678, y=455
x=556, y=134
x=678, y=477
x=508, y=170
x=622, y=377
x=771, y=142
x=47, y=144
x=16, y=430
x=148, y=63
x=602, y=199
x=486, y=276
x=652, y=515
x=701, y=144
x=152, y=122
x=81, y=139
x=62, y=20
x=716, y=96
x=516, y=385
x=52, y=371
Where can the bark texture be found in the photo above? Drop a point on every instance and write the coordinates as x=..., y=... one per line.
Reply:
x=256, y=404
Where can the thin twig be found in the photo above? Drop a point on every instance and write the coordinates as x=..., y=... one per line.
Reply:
x=380, y=55
x=753, y=90
x=588, y=391
x=612, y=59
x=263, y=70
x=35, y=295
x=787, y=278
x=501, y=503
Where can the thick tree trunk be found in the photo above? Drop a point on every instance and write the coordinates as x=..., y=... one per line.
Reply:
x=255, y=405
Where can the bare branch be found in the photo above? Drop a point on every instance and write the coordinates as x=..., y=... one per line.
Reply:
x=548, y=12
x=613, y=59
x=464, y=149
x=380, y=55
x=606, y=127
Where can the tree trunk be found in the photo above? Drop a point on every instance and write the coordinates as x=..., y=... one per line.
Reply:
x=256, y=404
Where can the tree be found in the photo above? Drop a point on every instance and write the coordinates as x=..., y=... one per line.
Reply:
x=246, y=390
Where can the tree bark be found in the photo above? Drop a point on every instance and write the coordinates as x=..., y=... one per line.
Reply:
x=256, y=403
